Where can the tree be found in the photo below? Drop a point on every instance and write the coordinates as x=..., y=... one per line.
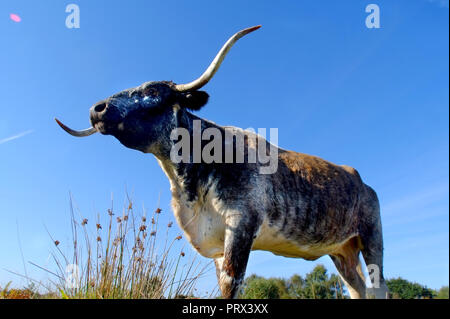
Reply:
x=337, y=287
x=442, y=293
x=295, y=286
x=403, y=289
x=281, y=284
x=256, y=287
x=316, y=285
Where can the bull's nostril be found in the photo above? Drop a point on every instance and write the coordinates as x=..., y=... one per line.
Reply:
x=100, y=107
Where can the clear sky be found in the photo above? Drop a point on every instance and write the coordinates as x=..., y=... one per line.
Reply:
x=374, y=99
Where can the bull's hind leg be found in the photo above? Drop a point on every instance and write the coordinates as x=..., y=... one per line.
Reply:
x=374, y=262
x=373, y=256
x=347, y=262
x=372, y=242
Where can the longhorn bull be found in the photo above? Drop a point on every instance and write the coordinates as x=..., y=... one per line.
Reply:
x=306, y=208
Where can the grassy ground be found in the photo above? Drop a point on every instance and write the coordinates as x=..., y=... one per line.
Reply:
x=129, y=257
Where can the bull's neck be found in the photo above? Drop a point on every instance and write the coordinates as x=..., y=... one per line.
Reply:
x=182, y=119
x=178, y=173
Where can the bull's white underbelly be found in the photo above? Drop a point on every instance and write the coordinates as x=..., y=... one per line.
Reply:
x=207, y=233
x=270, y=238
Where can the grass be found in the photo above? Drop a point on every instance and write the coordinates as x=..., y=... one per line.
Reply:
x=128, y=257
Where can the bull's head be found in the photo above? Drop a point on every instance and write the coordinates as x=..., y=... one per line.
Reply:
x=137, y=117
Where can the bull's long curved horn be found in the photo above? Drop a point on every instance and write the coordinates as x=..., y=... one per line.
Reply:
x=215, y=64
x=82, y=133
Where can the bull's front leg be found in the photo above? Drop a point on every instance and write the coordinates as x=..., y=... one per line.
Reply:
x=240, y=232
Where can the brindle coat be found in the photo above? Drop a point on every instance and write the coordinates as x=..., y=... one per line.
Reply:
x=308, y=208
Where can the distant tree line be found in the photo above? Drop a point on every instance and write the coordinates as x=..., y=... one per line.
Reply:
x=318, y=284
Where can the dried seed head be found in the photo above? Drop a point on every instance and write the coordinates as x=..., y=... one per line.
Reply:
x=125, y=217
x=84, y=222
x=144, y=234
x=110, y=213
x=130, y=205
x=56, y=242
x=119, y=220
x=170, y=224
x=178, y=237
x=182, y=254
x=99, y=238
x=153, y=233
x=153, y=221
x=158, y=210
x=144, y=219
x=142, y=228
x=99, y=226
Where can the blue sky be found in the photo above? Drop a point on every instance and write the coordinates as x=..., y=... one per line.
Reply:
x=374, y=99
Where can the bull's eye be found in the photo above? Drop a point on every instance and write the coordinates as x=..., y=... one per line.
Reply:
x=150, y=91
x=150, y=97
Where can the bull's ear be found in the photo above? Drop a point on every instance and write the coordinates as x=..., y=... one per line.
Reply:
x=194, y=100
